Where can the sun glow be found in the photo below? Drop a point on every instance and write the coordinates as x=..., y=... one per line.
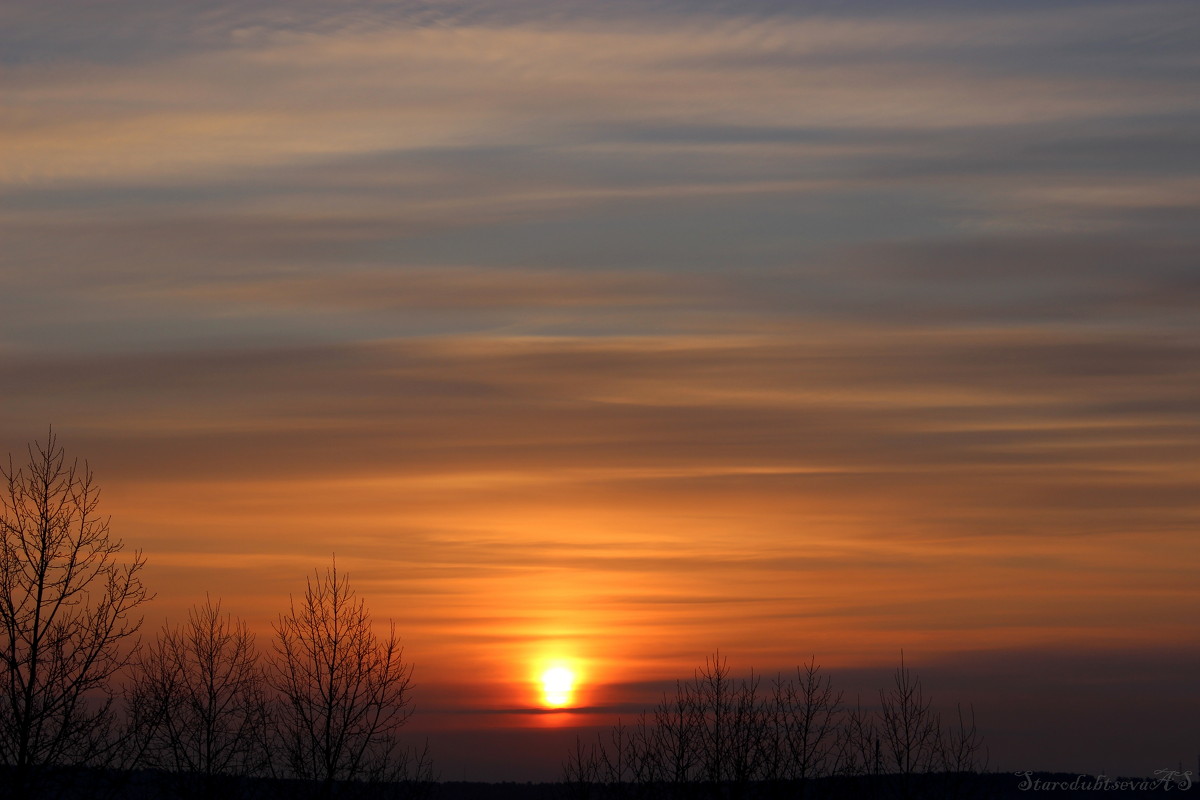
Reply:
x=558, y=687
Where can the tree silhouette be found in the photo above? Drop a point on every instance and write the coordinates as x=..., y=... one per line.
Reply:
x=200, y=701
x=732, y=725
x=66, y=604
x=345, y=692
x=806, y=714
x=581, y=770
x=915, y=742
x=910, y=727
x=713, y=732
x=722, y=737
x=962, y=748
x=676, y=738
x=860, y=751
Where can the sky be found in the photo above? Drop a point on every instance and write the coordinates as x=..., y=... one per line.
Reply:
x=610, y=334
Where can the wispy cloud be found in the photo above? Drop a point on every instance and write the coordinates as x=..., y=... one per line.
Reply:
x=620, y=328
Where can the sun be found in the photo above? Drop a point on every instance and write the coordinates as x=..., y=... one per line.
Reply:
x=558, y=685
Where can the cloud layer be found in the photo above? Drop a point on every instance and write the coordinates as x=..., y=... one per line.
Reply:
x=780, y=327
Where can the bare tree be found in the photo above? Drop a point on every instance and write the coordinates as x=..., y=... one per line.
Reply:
x=961, y=746
x=732, y=727
x=658, y=756
x=345, y=692
x=961, y=754
x=66, y=624
x=677, y=737
x=911, y=732
x=807, y=713
x=749, y=735
x=582, y=770
x=713, y=691
x=201, y=700
x=618, y=758
x=723, y=738
x=714, y=731
x=910, y=727
x=859, y=749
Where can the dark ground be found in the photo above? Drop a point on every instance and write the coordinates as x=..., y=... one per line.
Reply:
x=146, y=785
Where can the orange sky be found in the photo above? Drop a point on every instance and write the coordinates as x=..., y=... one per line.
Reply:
x=612, y=339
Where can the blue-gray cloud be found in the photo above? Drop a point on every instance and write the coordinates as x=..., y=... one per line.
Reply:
x=899, y=295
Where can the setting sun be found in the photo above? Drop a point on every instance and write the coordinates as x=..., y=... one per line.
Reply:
x=589, y=352
x=558, y=684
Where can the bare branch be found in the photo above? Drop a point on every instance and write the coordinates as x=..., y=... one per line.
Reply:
x=66, y=615
x=345, y=693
